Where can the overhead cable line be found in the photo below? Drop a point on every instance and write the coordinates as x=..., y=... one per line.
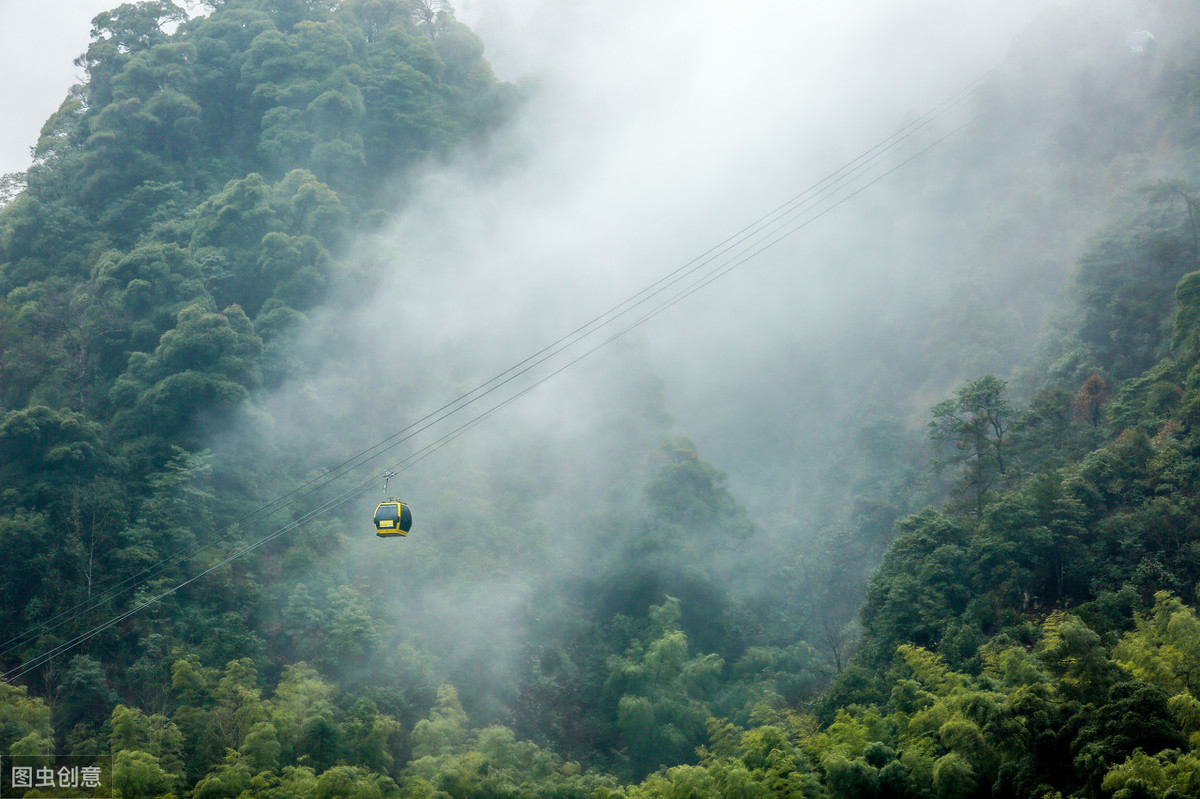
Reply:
x=765, y=225
x=760, y=235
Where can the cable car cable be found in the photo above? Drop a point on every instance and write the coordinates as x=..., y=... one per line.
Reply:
x=777, y=218
x=429, y=449
x=346, y=495
x=553, y=349
x=830, y=183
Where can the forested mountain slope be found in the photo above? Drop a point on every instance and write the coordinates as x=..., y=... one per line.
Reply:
x=1029, y=632
x=183, y=215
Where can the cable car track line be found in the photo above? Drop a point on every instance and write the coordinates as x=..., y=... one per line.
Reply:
x=745, y=244
x=795, y=205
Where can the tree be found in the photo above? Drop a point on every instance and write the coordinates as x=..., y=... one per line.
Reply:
x=86, y=695
x=1045, y=434
x=261, y=747
x=1164, y=649
x=138, y=774
x=1168, y=190
x=303, y=714
x=353, y=781
x=688, y=502
x=444, y=730
x=429, y=14
x=1089, y=402
x=44, y=450
x=369, y=736
x=969, y=431
x=662, y=693
x=117, y=35
x=21, y=716
x=204, y=367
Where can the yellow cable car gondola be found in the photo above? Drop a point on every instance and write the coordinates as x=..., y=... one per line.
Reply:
x=392, y=518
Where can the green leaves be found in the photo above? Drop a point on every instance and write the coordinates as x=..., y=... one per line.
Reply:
x=662, y=693
x=688, y=503
x=969, y=431
x=185, y=207
x=451, y=759
x=1164, y=649
x=445, y=729
x=265, y=242
x=44, y=453
x=138, y=774
x=147, y=753
x=206, y=365
x=329, y=628
x=22, y=716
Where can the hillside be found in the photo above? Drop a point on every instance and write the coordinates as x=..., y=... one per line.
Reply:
x=977, y=580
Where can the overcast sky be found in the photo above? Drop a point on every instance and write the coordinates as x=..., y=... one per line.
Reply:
x=38, y=42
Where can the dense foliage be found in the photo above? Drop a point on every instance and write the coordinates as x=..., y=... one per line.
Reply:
x=1029, y=626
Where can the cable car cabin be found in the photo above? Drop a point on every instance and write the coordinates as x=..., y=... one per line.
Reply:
x=1142, y=45
x=392, y=518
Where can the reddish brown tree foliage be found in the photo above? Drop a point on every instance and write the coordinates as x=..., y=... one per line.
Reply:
x=1089, y=402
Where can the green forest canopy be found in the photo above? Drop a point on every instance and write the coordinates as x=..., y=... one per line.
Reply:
x=1029, y=628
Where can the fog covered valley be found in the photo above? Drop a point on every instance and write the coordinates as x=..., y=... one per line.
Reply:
x=789, y=402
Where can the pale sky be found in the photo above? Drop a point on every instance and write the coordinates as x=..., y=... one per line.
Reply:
x=38, y=41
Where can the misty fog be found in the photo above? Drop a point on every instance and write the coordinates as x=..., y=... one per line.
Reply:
x=651, y=132
x=787, y=397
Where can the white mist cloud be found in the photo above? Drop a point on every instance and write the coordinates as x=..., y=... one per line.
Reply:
x=655, y=130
